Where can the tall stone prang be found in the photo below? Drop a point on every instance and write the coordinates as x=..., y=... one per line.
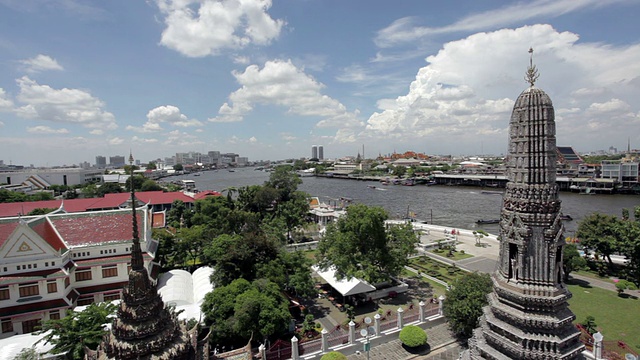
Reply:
x=527, y=316
x=144, y=328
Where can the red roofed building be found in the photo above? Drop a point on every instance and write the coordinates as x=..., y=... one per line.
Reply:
x=157, y=200
x=50, y=263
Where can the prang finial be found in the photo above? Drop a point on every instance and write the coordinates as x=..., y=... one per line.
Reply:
x=532, y=71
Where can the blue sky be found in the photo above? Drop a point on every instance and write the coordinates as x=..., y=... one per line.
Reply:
x=268, y=79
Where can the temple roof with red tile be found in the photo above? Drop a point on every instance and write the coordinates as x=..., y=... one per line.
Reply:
x=110, y=201
x=95, y=228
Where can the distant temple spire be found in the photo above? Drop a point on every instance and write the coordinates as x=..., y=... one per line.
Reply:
x=532, y=71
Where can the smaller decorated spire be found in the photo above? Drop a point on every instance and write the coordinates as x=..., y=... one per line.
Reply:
x=136, y=252
x=532, y=72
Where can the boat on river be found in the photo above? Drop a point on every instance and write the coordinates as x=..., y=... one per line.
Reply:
x=566, y=217
x=487, y=221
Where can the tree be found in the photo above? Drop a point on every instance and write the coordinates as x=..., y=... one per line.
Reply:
x=41, y=211
x=361, y=245
x=293, y=212
x=27, y=354
x=240, y=309
x=178, y=167
x=138, y=180
x=465, y=300
x=191, y=241
x=599, y=232
x=571, y=260
x=89, y=191
x=178, y=215
x=291, y=272
x=78, y=329
x=589, y=324
x=150, y=185
x=413, y=336
x=151, y=165
x=238, y=256
x=285, y=181
x=108, y=188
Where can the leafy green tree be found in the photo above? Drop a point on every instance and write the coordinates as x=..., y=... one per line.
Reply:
x=108, y=188
x=285, y=181
x=291, y=271
x=89, y=191
x=589, y=324
x=58, y=189
x=7, y=196
x=78, y=329
x=361, y=245
x=151, y=165
x=178, y=167
x=571, y=260
x=167, y=248
x=399, y=171
x=178, y=215
x=27, y=354
x=238, y=256
x=241, y=308
x=138, y=180
x=293, y=212
x=41, y=211
x=465, y=300
x=599, y=232
x=191, y=241
x=127, y=168
x=150, y=185
x=262, y=310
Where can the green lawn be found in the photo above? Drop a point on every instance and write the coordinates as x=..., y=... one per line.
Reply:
x=436, y=269
x=616, y=317
x=593, y=275
x=457, y=255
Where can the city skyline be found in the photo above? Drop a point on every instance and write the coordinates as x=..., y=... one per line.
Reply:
x=267, y=80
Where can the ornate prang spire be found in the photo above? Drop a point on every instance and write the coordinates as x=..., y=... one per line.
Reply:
x=532, y=71
x=137, y=262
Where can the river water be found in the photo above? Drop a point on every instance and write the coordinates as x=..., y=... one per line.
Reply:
x=451, y=206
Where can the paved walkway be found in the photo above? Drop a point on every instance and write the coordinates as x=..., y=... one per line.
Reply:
x=485, y=257
x=442, y=345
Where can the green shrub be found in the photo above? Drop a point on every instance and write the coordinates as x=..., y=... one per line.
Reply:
x=413, y=336
x=334, y=355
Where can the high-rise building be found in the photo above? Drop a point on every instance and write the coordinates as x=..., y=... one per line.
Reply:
x=320, y=152
x=314, y=151
x=101, y=162
x=116, y=161
x=528, y=316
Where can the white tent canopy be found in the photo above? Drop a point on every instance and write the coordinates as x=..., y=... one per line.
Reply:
x=186, y=291
x=345, y=286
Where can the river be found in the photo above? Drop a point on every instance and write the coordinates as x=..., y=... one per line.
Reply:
x=453, y=206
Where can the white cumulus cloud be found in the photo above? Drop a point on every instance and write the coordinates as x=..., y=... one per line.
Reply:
x=115, y=141
x=42, y=102
x=403, y=30
x=46, y=130
x=41, y=63
x=168, y=114
x=197, y=28
x=466, y=91
x=282, y=83
x=5, y=103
